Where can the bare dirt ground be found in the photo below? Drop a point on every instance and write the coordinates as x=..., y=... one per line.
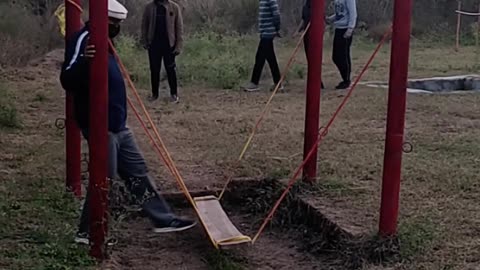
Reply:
x=439, y=213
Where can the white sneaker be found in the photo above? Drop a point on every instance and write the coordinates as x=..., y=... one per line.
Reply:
x=280, y=89
x=175, y=99
x=251, y=87
x=177, y=225
x=83, y=239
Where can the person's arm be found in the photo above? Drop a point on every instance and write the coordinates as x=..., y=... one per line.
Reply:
x=276, y=14
x=179, y=31
x=76, y=66
x=145, y=27
x=330, y=19
x=352, y=11
x=305, y=16
x=352, y=18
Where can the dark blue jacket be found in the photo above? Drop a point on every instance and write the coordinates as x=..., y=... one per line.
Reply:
x=75, y=79
x=306, y=14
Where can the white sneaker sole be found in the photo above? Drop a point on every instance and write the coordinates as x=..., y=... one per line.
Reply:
x=84, y=241
x=173, y=229
x=251, y=89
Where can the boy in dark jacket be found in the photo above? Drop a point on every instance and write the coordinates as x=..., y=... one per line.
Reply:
x=162, y=36
x=125, y=158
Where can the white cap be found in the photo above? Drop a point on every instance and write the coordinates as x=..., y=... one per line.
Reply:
x=116, y=10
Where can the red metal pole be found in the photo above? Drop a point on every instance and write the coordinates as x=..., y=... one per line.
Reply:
x=397, y=98
x=72, y=135
x=98, y=136
x=314, y=83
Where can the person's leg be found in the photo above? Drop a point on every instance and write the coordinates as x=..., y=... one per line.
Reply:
x=133, y=169
x=349, y=58
x=113, y=147
x=306, y=44
x=155, y=59
x=170, y=67
x=272, y=61
x=339, y=57
x=260, y=58
x=337, y=52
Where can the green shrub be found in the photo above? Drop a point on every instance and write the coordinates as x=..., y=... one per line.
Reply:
x=8, y=112
x=24, y=35
x=209, y=59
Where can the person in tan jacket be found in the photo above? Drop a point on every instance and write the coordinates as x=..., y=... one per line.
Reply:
x=162, y=36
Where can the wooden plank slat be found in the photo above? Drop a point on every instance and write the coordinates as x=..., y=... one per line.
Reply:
x=216, y=222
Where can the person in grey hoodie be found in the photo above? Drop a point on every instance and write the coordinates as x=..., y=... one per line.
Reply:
x=344, y=21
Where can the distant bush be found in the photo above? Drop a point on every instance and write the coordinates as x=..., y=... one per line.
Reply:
x=8, y=112
x=24, y=35
x=211, y=59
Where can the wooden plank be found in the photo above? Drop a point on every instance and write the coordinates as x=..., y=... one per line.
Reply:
x=217, y=224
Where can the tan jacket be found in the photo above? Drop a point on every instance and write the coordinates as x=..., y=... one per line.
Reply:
x=174, y=24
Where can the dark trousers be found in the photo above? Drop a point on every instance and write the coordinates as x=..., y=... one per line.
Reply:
x=156, y=54
x=341, y=54
x=265, y=52
x=126, y=160
x=306, y=45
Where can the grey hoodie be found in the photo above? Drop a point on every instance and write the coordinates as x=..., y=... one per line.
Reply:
x=345, y=14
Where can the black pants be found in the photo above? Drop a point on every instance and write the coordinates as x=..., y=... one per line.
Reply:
x=155, y=55
x=306, y=45
x=265, y=52
x=341, y=54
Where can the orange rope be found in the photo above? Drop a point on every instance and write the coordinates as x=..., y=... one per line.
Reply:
x=75, y=5
x=166, y=157
x=293, y=180
x=152, y=139
x=263, y=113
x=161, y=149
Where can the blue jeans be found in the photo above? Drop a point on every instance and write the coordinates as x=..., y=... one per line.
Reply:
x=126, y=161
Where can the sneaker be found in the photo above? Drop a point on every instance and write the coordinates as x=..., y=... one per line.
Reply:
x=343, y=85
x=177, y=225
x=280, y=89
x=251, y=87
x=83, y=239
x=175, y=99
x=153, y=98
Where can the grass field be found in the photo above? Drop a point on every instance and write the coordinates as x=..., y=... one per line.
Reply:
x=439, y=222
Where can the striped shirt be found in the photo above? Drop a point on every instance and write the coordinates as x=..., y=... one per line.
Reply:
x=268, y=18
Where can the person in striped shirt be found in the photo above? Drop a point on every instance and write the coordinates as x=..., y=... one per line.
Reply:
x=269, y=27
